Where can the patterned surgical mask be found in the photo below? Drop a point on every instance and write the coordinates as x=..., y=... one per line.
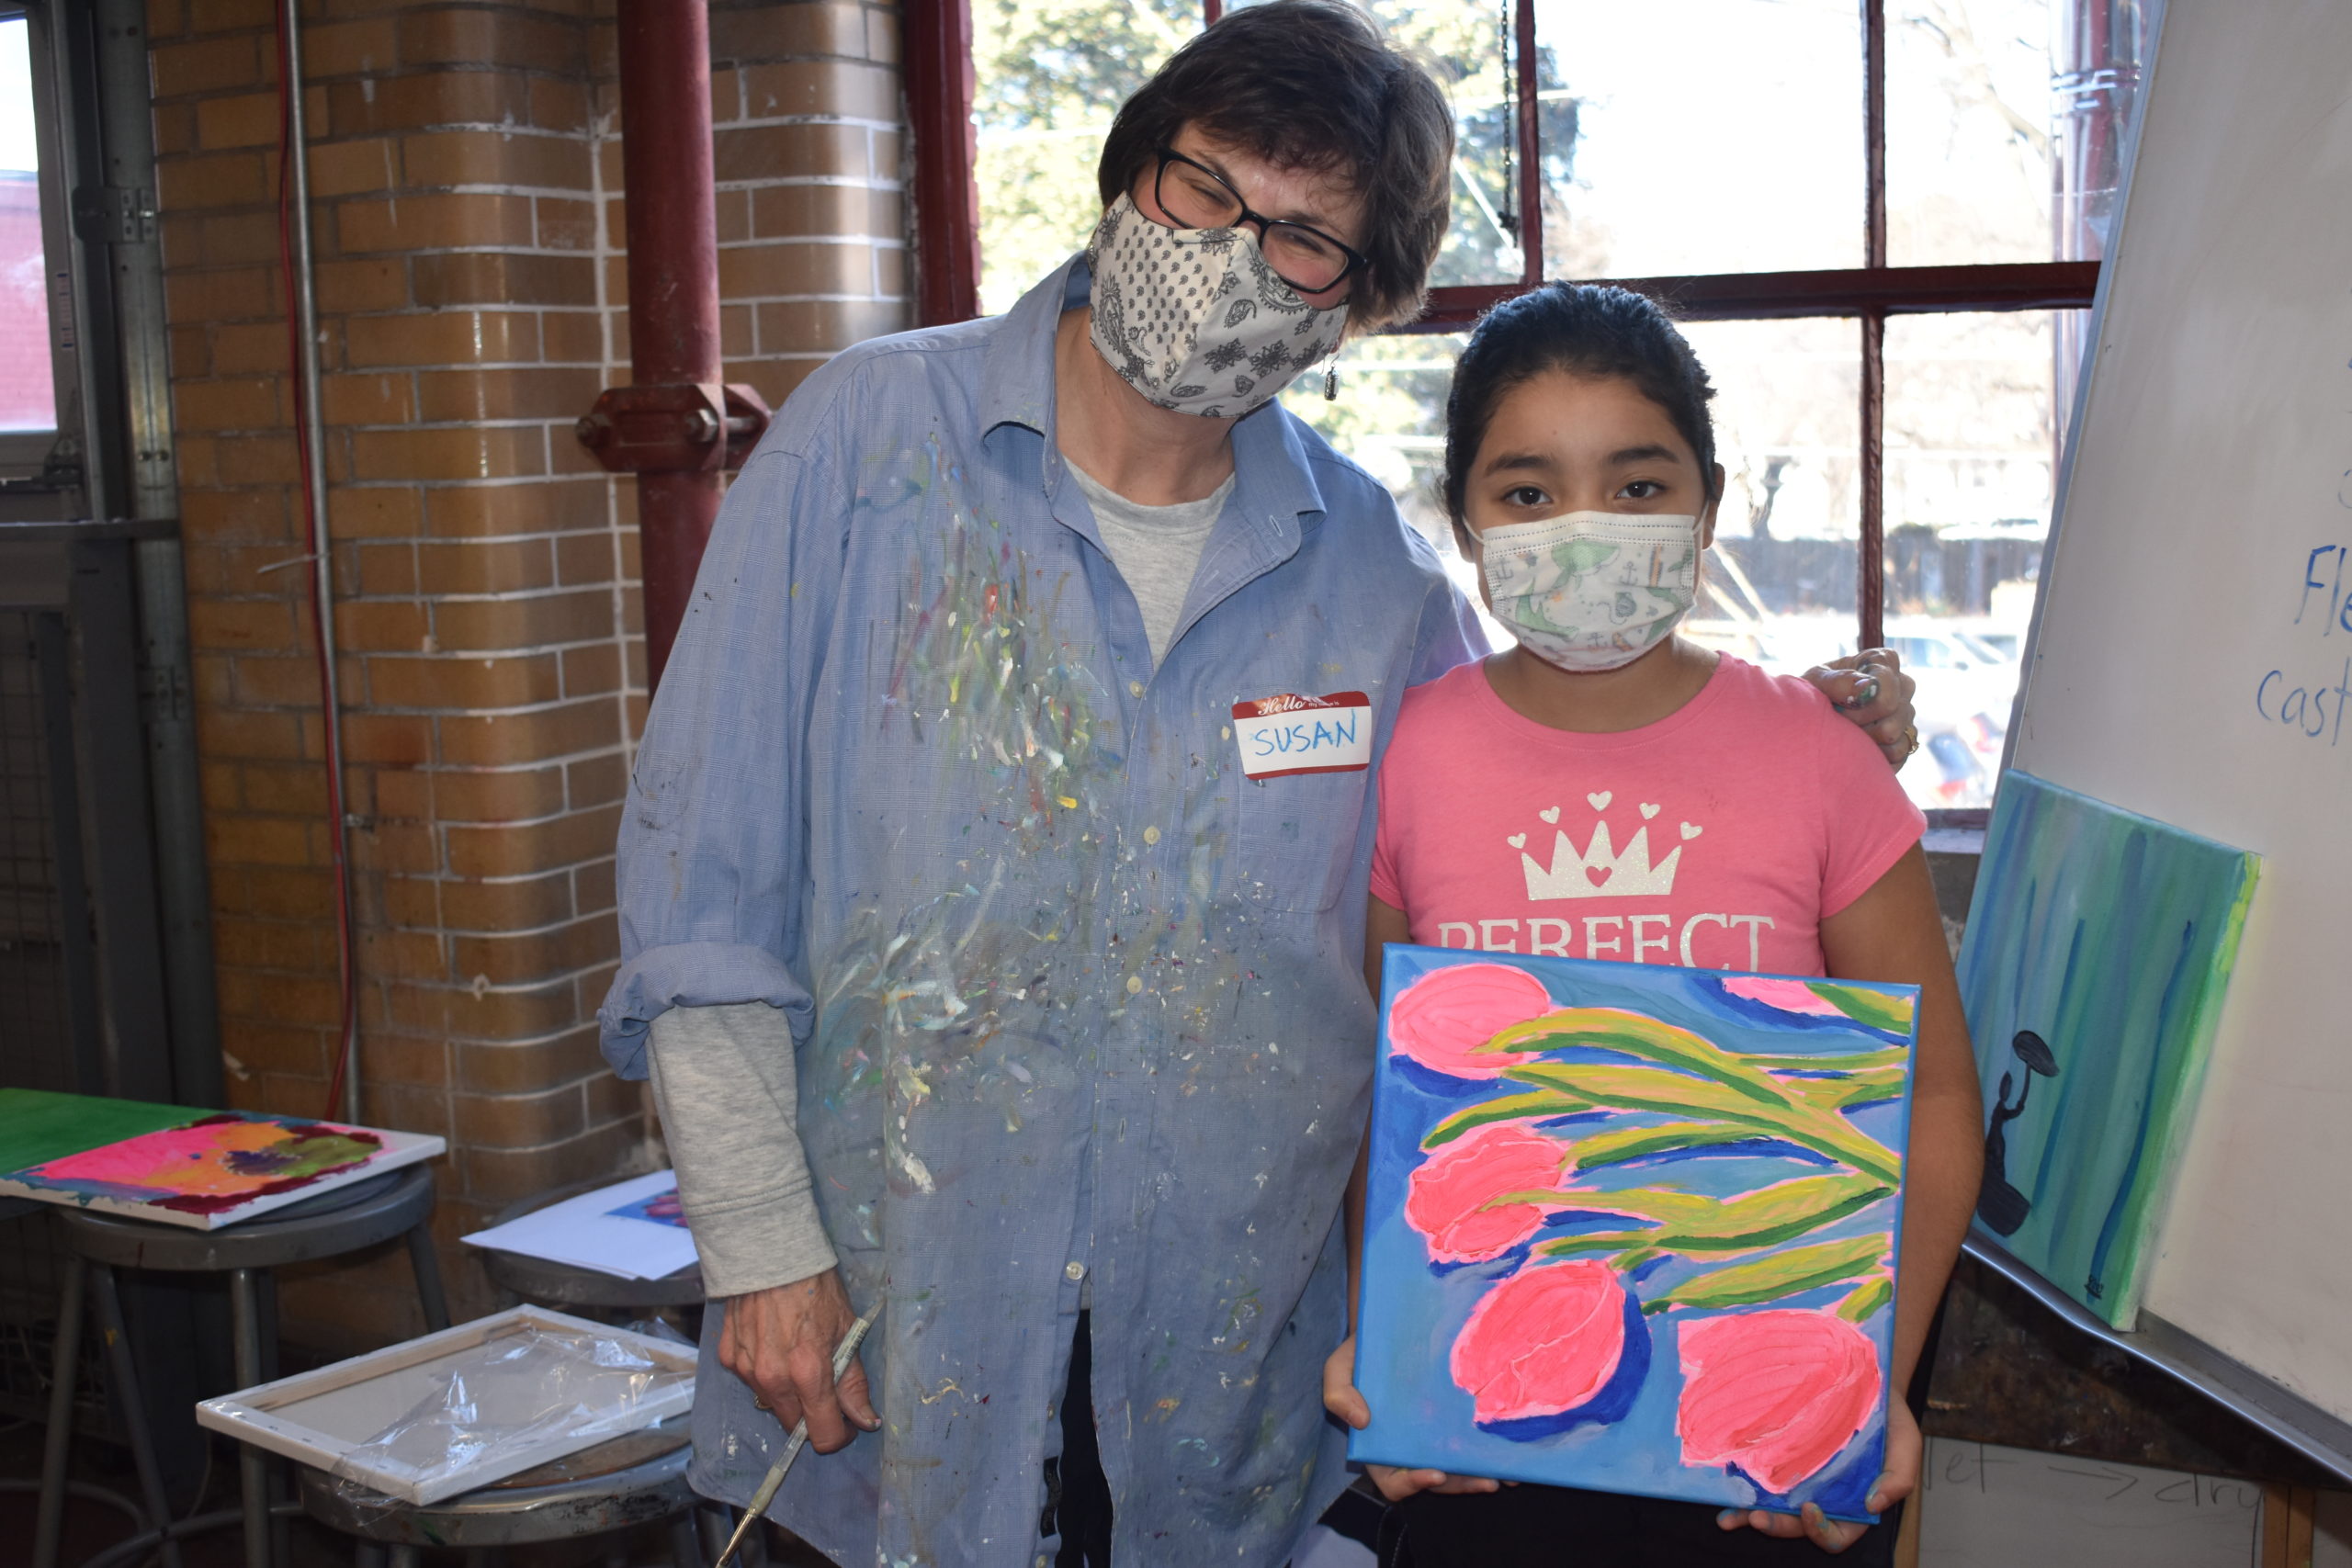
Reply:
x=1592, y=591
x=1195, y=319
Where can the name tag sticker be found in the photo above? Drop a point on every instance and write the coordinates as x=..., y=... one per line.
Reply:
x=1291, y=734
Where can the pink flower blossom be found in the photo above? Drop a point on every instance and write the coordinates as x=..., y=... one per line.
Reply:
x=1778, y=1394
x=1440, y=1018
x=1448, y=1192
x=1543, y=1342
x=1789, y=995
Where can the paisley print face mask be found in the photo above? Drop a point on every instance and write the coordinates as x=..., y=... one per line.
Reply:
x=1195, y=320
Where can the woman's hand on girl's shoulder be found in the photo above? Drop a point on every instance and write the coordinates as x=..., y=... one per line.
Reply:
x=1897, y=1481
x=1342, y=1399
x=1870, y=688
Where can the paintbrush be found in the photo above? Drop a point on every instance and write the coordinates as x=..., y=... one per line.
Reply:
x=768, y=1488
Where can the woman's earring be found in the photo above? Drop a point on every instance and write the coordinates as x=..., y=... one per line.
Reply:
x=1331, y=382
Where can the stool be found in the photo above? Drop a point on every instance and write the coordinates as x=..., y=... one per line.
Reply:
x=333, y=1223
x=636, y=1479
x=567, y=1287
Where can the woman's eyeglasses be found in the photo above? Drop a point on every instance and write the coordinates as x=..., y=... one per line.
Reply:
x=1196, y=198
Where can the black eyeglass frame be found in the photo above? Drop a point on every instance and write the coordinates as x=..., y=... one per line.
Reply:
x=1357, y=260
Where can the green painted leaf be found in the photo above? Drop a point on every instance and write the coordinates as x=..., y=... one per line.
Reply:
x=1856, y=1088
x=1775, y=1275
x=1867, y=1298
x=1842, y=1062
x=1617, y=1146
x=1698, y=1099
x=1637, y=1034
x=1507, y=1108
x=1697, y=1223
x=1875, y=1009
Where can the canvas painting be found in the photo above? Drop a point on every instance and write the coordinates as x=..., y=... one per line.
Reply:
x=202, y=1170
x=2098, y=948
x=1633, y=1229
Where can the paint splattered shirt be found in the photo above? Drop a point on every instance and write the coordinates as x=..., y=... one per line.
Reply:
x=1075, y=1000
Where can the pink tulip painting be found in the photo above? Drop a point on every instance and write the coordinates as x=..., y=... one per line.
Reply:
x=1551, y=1342
x=1440, y=1018
x=1779, y=1393
x=1446, y=1196
x=1789, y=995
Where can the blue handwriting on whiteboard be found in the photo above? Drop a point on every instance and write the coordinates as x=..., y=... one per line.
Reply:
x=2312, y=709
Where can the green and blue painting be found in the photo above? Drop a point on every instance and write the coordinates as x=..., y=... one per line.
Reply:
x=2100, y=945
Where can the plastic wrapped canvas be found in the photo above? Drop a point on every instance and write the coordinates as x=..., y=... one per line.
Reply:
x=1633, y=1229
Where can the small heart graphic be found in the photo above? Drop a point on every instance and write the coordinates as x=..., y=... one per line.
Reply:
x=1551, y=816
x=1599, y=802
x=1648, y=810
x=1691, y=829
x=1517, y=841
x=1597, y=874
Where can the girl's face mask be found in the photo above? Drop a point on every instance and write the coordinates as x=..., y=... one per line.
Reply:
x=1592, y=591
x=1195, y=320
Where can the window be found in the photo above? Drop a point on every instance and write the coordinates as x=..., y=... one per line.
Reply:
x=1880, y=218
x=27, y=395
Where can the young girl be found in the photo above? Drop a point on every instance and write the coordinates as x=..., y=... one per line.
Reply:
x=1580, y=474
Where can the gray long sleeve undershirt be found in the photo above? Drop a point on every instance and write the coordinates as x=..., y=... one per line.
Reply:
x=723, y=1077
x=724, y=1080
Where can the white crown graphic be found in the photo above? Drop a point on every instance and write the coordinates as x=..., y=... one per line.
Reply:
x=1599, y=872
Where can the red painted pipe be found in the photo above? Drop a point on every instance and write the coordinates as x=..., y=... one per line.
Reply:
x=672, y=279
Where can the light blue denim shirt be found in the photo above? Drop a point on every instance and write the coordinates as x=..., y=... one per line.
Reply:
x=1075, y=1000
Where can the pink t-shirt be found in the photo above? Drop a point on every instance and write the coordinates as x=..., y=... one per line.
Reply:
x=1718, y=838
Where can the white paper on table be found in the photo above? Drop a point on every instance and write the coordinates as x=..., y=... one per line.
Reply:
x=595, y=1231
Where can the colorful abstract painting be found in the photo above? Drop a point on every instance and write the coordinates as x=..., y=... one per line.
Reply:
x=1633, y=1229
x=2100, y=945
x=204, y=1170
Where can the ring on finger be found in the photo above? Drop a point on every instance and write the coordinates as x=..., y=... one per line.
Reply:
x=1910, y=742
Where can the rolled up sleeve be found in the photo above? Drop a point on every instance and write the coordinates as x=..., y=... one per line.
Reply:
x=714, y=843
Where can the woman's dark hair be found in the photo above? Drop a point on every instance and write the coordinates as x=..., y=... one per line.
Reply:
x=1585, y=330
x=1311, y=84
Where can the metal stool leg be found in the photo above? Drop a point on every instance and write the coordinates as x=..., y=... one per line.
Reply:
x=427, y=1265
x=406, y=1557
x=253, y=1469
x=65, y=1365
x=366, y=1554
x=125, y=1381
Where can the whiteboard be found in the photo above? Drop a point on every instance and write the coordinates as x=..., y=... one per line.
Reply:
x=2210, y=482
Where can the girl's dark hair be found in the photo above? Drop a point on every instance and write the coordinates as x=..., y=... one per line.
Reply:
x=1585, y=330
x=1311, y=84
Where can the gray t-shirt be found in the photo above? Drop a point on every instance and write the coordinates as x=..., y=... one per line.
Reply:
x=1155, y=549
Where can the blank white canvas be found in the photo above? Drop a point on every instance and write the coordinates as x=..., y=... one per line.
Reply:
x=583, y=1232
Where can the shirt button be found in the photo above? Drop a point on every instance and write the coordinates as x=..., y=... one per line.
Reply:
x=1135, y=688
x=1073, y=1271
x=1151, y=835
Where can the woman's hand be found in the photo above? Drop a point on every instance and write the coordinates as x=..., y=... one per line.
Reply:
x=1341, y=1399
x=1870, y=688
x=1897, y=1481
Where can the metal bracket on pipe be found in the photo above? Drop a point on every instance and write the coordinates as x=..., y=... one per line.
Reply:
x=674, y=427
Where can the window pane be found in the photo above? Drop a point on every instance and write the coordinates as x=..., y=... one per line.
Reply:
x=1968, y=131
x=1702, y=136
x=27, y=394
x=1049, y=75
x=1389, y=417
x=1778, y=588
x=1463, y=40
x=1970, y=470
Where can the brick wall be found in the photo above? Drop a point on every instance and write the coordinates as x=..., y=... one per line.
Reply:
x=467, y=218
